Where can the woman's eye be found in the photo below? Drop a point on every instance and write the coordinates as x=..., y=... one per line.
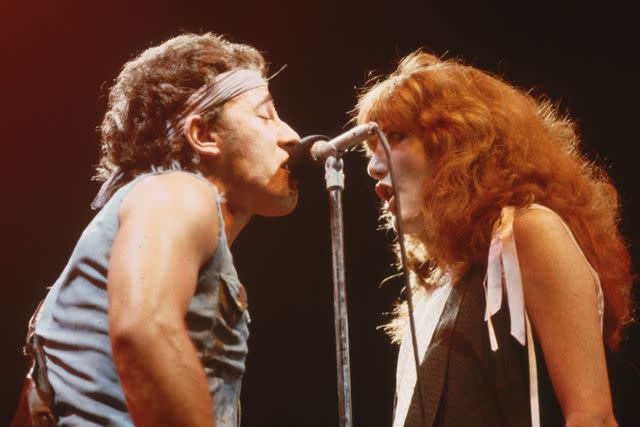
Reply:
x=395, y=137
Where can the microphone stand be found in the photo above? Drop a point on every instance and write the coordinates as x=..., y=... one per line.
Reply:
x=334, y=176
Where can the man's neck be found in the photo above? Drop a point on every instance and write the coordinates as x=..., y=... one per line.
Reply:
x=234, y=220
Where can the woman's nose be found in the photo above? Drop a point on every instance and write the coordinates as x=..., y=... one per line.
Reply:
x=377, y=167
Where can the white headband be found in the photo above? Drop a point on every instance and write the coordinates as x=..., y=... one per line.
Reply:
x=224, y=87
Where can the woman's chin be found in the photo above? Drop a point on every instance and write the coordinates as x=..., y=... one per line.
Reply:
x=413, y=225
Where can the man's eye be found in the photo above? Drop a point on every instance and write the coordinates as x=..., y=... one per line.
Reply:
x=266, y=114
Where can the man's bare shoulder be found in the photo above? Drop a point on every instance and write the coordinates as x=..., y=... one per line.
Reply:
x=177, y=191
x=179, y=203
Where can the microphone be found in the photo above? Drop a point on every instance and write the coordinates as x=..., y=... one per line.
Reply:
x=322, y=149
x=316, y=148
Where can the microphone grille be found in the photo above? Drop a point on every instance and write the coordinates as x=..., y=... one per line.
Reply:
x=302, y=154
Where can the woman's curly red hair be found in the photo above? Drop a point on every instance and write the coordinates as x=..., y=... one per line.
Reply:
x=493, y=145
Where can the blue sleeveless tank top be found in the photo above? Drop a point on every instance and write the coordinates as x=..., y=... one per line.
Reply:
x=74, y=326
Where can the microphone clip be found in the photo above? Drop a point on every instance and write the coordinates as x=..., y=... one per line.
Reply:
x=334, y=173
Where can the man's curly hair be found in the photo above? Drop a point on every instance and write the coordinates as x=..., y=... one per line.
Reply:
x=151, y=89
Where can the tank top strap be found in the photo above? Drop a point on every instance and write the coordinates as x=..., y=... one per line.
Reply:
x=219, y=199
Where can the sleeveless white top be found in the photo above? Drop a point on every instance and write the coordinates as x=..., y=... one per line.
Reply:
x=426, y=311
x=503, y=275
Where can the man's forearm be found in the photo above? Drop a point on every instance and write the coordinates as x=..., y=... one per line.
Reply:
x=162, y=378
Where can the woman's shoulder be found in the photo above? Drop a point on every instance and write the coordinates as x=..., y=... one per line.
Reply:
x=546, y=246
x=541, y=225
x=533, y=223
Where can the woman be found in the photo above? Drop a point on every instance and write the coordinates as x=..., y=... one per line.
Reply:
x=513, y=247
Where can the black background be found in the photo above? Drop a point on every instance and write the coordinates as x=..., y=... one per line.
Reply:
x=58, y=57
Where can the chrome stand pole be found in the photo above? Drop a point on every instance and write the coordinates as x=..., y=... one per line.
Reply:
x=335, y=186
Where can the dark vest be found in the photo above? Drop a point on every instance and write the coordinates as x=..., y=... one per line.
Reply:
x=463, y=382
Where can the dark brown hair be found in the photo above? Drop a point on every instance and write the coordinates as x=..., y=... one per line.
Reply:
x=151, y=89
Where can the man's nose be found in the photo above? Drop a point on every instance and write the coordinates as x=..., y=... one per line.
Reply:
x=287, y=138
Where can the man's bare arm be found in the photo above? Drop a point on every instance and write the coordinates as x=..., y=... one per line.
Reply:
x=168, y=229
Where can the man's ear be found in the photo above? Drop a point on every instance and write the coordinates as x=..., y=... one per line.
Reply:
x=203, y=141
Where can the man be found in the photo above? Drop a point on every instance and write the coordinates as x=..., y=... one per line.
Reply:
x=148, y=322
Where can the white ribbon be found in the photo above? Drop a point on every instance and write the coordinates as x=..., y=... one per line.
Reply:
x=503, y=262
